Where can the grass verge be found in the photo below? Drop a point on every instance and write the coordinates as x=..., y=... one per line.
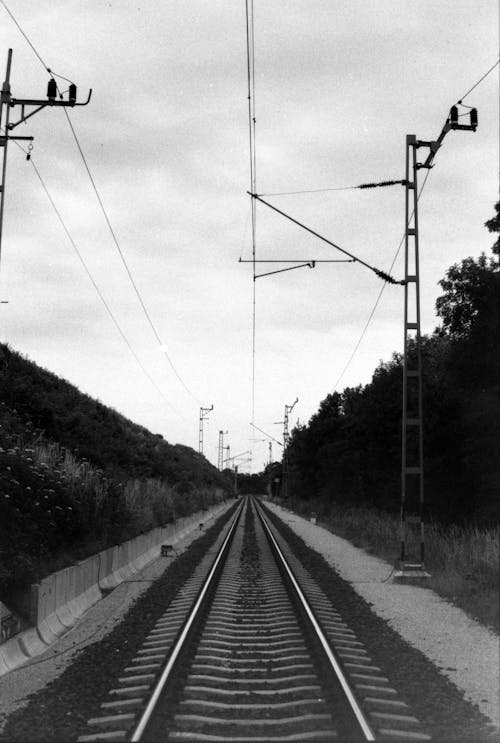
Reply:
x=463, y=560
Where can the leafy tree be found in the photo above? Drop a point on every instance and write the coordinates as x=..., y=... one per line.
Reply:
x=351, y=448
x=493, y=225
x=470, y=297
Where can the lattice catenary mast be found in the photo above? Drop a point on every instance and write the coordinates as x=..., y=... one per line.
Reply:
x=412, y=561
x=203, y=417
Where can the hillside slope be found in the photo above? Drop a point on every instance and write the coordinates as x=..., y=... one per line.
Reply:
x=76, y=476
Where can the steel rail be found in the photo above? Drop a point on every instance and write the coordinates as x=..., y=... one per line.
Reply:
x=367, y=731
x=146, y=715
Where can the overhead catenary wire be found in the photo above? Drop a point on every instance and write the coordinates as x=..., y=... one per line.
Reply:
x=380, y=184
x=23, y=34
x=125, y=263
x=95, y=285
x=106, y=217
x=99, y=293
x=479, y=81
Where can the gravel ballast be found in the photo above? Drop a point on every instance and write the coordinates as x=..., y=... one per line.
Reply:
x=444, y=664
x=462, y=650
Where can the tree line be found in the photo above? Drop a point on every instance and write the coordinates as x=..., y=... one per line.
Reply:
x=350, y=450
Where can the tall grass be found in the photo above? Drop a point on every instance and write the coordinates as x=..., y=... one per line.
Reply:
x=56, y=509
x=152, y=502
x=463, y=560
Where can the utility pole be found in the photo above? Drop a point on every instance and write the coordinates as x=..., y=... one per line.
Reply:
x=286, y=437
x=228, y=455
x=203, y=417
x=220, y=453
x=7, y=103
x=270, y=452
x=412, y=458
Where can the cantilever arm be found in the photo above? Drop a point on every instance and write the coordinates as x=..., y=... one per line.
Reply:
x=381, y=274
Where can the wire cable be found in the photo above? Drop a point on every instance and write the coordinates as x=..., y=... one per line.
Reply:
x=108, y=222
x=124, y=261
x=377, y=271
x=479, y=81
x=381, y=184
x=96, y=287
x=379, y=296
x=23, y=34
x=99, y=293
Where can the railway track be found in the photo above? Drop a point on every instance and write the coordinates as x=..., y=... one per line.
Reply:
x=251, y=649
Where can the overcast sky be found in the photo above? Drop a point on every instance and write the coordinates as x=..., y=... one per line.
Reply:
x=339, y=84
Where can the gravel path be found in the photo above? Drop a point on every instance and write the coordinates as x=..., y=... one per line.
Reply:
x=463, y=650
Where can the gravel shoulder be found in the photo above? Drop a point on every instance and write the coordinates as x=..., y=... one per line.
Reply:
x=463, y=650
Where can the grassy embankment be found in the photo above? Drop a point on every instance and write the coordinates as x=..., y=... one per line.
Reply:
x=56, y=509
x=77, y=477
x=463, y=560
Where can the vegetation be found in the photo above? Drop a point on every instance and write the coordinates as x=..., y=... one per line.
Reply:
x=77, y=477
x=349, y=452
x=464, y=559
x=345, y=463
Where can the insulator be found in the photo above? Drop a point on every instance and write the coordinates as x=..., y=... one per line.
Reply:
x=454, y=115
x=72, y=93
x=52, y=89
x=473, y=117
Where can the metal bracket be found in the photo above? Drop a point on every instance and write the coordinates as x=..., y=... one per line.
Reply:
x=39, y=105
x=311, y=264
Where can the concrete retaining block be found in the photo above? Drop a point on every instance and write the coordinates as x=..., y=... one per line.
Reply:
x=4, y=668
x=11, y=654
x=61, y=598
x=31, y=643
x=107, y=578
x=76, y=602
x=49, y=625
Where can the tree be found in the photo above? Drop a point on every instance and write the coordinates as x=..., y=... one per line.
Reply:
x=493, y=225
x=350, y=451
x=470, y=296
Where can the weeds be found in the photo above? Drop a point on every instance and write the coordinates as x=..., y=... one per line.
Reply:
x=463, y=560
x=56, y=509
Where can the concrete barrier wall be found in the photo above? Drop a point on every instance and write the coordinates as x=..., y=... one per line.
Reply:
x=55, y=603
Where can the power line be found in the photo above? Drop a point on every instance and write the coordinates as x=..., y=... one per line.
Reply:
x=125, y=264
x=99, y=293
x=23, y=34
x=379, y=296
x=479, y=81
x=380, y=184
x=96, y=287
x=108, y=222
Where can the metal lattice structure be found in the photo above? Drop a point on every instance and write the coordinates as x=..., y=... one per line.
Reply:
x=412, y=557
x=203, y=417
x=412, y=458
